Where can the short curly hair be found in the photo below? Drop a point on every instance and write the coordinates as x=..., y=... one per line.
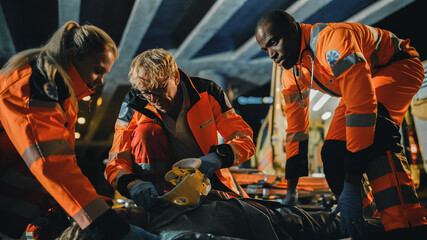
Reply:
x=278, y=17
x=158, y=65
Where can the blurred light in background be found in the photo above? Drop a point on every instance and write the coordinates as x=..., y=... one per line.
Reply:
x=313, y=93
x=321, y=102
x=325, y=116
x=99, y=101
x=81, y=120
x=254, y=100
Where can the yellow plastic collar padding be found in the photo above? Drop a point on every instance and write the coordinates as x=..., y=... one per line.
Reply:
x=189, y=182
x=181, y=169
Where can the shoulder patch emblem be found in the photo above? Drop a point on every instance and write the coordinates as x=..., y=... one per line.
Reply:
x=51, y=90
x=123, y=110
x=332, y=56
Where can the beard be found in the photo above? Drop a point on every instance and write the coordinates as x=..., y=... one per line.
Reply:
x=290, y=61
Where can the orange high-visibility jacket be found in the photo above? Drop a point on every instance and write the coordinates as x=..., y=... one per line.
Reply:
x=39, y=118
x=343, y=54
x=210, y=112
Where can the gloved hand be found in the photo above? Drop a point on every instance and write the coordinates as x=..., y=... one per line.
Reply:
x=291, y=196
x=143, y=194
x=210, y=163
x=351, y=207
x=139, y=233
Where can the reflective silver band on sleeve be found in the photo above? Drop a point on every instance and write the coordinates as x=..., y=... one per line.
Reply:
x=43, y=104
x=126, y=155
x=90, y=212
x=46, y=104
x=297, y=136
x=120, y=173
x=341, y=66
x=236, y=153
x=238, y=134
x=396, y=43
x=122, y=123
x=314, y=35
x=46, y=149
x=361, y=120
x=377, y=38
x=122, y=155
x=295, y=97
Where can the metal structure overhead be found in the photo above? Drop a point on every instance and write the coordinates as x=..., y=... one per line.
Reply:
x=214, y=35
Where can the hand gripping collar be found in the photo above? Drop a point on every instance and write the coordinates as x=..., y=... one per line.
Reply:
x=189, y=182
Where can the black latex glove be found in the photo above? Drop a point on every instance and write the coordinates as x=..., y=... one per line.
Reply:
x=210, y=164
x=351, y=207
x=143, y=194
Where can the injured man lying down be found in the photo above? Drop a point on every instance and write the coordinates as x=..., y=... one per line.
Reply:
x=191, y=211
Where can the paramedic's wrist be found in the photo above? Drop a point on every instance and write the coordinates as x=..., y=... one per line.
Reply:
x=131, y=184
x=226, y=154
x=354, y=179
x=123, y=184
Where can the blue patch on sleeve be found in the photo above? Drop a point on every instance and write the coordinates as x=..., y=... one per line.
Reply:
x=123, y=110
x=51, y=90
x=332, y=56
x=126, y=112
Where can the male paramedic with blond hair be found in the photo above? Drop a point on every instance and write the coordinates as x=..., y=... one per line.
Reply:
x=168, y=116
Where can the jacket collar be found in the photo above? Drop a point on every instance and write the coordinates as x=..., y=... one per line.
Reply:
x=305, y=39
x=80, y=88
x=193, y=94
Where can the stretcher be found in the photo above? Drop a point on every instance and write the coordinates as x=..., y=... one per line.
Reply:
x=314, y=192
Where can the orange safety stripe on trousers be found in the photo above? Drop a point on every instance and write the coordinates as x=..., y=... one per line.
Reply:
x=293, y=142
x=403, y=216
x=386, y=181
x=380, y=166
x=394, y=193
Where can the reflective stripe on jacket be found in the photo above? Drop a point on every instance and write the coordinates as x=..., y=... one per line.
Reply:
x=39, y=116
x=210, y=112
